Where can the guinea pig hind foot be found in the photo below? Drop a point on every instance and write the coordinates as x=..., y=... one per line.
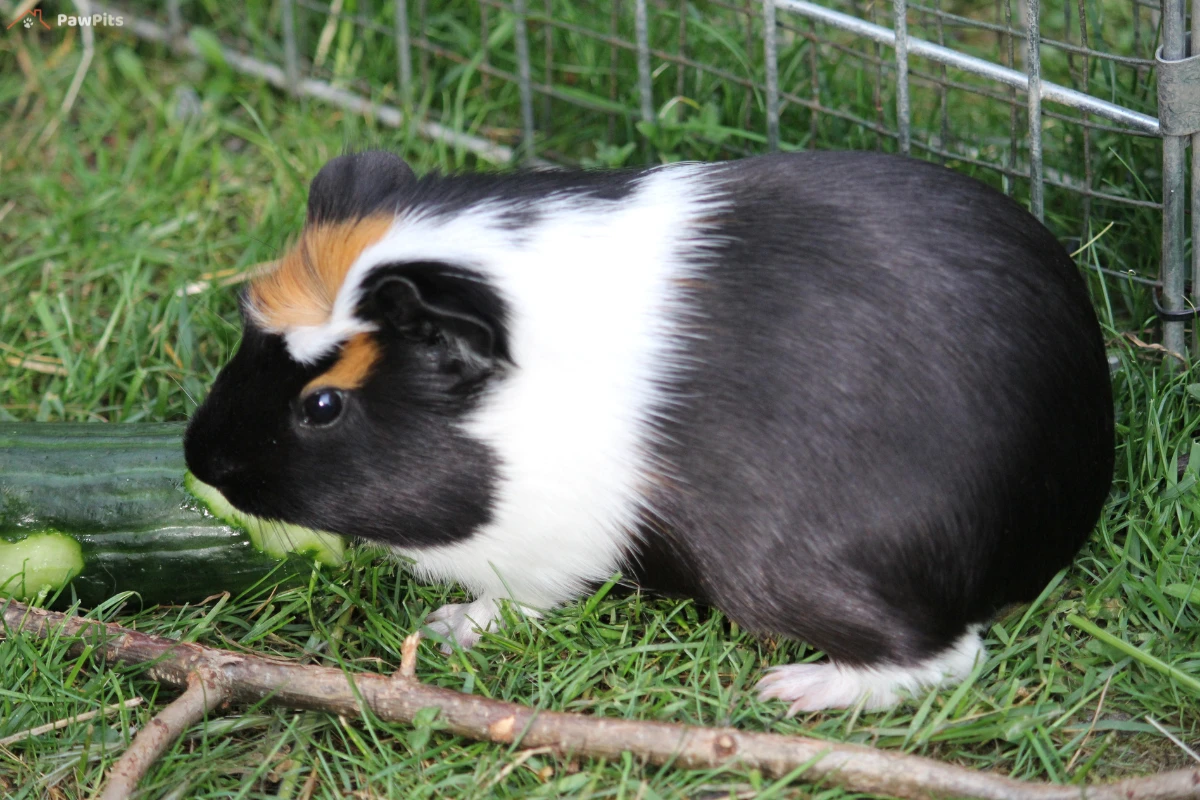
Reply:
x=463, y=623
x=828, y=684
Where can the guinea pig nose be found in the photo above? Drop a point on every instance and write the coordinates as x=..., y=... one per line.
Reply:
x=215, y=470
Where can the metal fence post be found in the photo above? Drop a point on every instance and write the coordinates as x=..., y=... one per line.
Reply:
x=174, y=18
x=403, y=52
x=641, y=22
x=1174, y=165
x=771, y=55
x=903, y=109
x=291, y=60
x=524, y=78
x=1033, y=68
x=1195, y=51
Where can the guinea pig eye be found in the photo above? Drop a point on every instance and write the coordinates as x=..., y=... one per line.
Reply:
x=321, y=407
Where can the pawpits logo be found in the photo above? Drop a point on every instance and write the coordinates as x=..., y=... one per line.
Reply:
x=33, y=17
x=29, y=18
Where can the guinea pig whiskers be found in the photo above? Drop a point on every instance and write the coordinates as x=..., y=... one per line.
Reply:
x=280, y=530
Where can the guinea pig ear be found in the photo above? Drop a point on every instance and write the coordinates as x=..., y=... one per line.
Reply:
x=422, y=303
x=356, y=185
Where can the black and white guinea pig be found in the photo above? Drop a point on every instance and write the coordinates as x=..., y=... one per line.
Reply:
x=854, y=399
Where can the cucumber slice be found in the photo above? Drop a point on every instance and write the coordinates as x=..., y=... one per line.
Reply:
x=276, y=539
x=41, y=563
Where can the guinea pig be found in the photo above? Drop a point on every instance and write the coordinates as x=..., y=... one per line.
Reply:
x=854, y=399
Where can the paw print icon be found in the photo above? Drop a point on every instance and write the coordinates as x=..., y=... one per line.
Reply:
x=31, y=16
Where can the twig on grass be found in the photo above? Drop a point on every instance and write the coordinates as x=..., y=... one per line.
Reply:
x=206, y=689
x=1155, y=347
x=224, y=278
x=310, y=785
x=254, y=679
x=36, y=364
x=1091, y=728
x=68, y=721
x=511, y=766
x=1175, y=740
x=408, y=657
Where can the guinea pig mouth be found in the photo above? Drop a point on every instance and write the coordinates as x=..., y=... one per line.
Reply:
x=251, y=500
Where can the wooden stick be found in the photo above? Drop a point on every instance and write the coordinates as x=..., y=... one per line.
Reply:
x=398, y=698
x=206, y=689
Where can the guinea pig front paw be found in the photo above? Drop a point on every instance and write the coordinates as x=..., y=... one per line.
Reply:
x=463, y=622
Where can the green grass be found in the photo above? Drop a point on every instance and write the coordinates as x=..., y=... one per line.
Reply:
x=126, y=205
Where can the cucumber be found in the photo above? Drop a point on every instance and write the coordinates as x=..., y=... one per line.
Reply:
x=97, y=509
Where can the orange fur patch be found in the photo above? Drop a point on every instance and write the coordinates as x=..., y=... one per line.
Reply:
x=350, y=371
x=301, y=290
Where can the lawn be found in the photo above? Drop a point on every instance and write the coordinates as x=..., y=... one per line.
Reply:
x=122, y=228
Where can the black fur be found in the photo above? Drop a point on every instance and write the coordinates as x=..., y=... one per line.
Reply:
x=361, y=184
x=903, y=420
x=456, y=300
x=394, y=467
x=356, y=185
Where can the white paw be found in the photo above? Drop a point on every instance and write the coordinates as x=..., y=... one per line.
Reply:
x=463, y=622
x=815, y=687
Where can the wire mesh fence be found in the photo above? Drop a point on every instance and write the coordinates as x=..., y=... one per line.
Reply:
x=1054, y=102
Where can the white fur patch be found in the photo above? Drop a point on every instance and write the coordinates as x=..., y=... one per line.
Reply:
x=815, y=687
x=595, y=301
x=309, y=343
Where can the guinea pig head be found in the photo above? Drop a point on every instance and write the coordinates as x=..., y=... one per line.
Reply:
x=343, y=408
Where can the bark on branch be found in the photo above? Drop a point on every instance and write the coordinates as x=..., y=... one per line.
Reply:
x=206, y=690
x=398, y=698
